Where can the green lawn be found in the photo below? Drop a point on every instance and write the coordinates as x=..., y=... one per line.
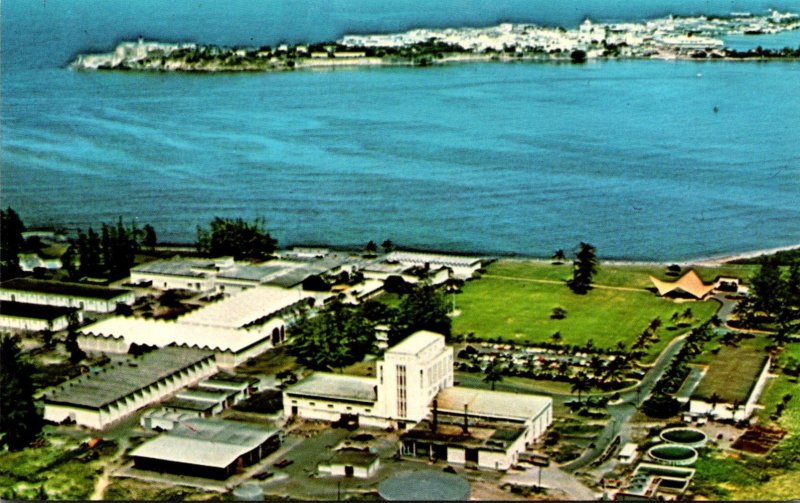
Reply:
x=520, y=310
x=636, y=276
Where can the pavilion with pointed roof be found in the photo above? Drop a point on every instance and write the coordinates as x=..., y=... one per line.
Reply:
x=687, y=286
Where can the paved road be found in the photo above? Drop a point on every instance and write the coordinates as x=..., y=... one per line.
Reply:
x=631, y=400
x=552, y=477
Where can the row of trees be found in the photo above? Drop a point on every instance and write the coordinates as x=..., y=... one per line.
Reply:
x=20, y=421
x=387, y=246
x=774, y=300
x=111, y=253
x=236, y=238
x=340, y=335
x=11, y=243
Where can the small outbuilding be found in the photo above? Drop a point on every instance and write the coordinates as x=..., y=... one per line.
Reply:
x=351, y=463
x=208, y=448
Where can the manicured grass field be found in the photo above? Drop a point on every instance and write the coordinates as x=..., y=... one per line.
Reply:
x=635, y=276
x=733, y=371
x=510, y=302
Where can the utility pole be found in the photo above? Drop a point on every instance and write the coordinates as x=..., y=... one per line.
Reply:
x=540, y=477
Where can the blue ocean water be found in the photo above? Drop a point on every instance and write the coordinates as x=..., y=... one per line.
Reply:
x=495, y=158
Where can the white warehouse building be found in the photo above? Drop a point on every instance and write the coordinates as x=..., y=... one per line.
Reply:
x=102, y=397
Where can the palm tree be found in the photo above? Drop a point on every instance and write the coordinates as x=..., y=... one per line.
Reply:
x=559, y=257
x=613, y=375
x=714, y=399
x=580, y=384
x=734, y=407
x=597, y=364
x=655, y=324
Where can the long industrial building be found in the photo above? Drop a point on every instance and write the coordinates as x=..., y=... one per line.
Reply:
x=102, y=397
x=57, y=293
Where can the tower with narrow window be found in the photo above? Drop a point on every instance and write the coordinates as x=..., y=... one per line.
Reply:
x=411, y=374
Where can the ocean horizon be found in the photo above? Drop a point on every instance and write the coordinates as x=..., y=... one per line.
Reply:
x=488, y=158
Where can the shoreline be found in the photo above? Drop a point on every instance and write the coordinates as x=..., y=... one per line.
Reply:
x=706, y=261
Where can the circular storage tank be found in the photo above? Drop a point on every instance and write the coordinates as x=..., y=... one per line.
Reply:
x=248, y=492
x=424, y=485
x=673, y=454
x=689, y=437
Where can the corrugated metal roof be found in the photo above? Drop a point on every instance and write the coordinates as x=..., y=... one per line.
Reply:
x=116, y=381
x=336, y=386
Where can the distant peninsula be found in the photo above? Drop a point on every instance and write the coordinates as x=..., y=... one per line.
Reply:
x=672, y=37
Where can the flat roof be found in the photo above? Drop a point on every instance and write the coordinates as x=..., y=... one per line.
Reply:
x=416, y=342
x=62, y=288
x=249, y=272
x=354, y=457
x=245, y=307
x=114, y=381
x=160, y=333
x=33, y=311
x=497, y=436
x=224, y=431
x=176, y=267
x=294, y=277
x=166, y=447
x=494, y=404
x=329, y=386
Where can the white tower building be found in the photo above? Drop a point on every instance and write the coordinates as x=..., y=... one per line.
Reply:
x=411, y=374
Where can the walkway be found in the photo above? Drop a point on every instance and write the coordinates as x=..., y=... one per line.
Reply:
x=555, y=282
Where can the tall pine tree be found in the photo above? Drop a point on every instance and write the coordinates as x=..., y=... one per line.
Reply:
x=20, y=422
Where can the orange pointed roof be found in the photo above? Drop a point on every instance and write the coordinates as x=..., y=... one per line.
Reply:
x=689, y=283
